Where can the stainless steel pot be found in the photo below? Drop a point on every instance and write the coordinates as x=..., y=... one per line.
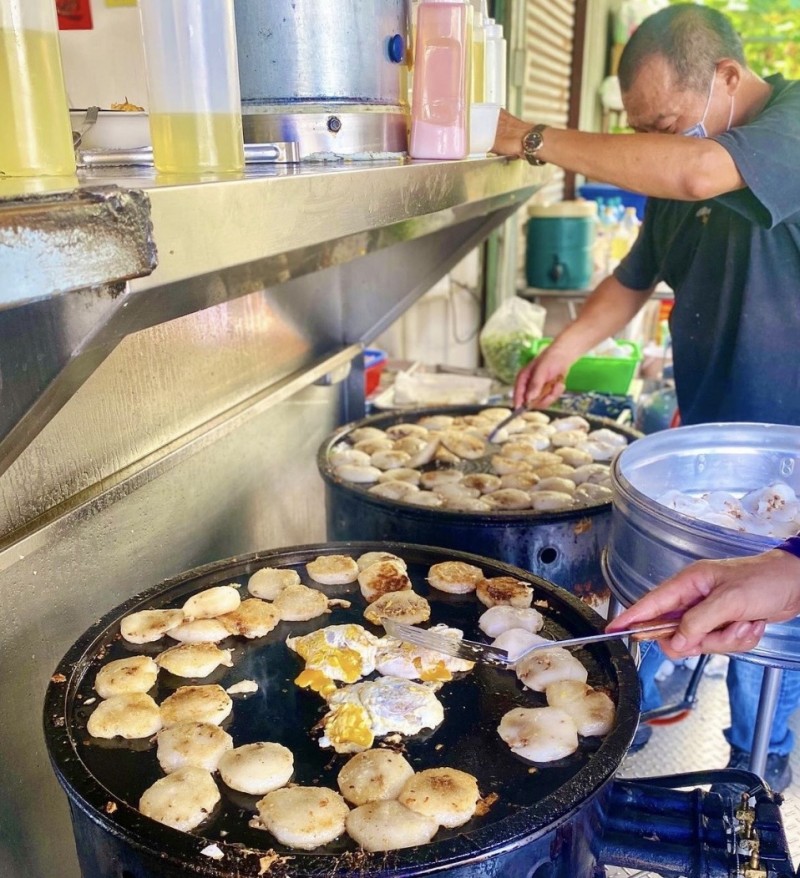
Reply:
x=330, y=76
x=650, y=542
x=562, y=547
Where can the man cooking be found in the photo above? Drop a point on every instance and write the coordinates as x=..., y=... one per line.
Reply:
x=722, y=228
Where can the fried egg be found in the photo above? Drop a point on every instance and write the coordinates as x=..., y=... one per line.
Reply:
x=340, y=652
x=412, y=662
x=388, y=704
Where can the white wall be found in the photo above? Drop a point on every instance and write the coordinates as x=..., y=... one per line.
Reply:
x=442, y=326
x=105, y=65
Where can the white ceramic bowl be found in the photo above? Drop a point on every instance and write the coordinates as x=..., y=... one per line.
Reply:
x=114, y=129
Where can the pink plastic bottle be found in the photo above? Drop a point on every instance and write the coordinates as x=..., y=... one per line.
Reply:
x=440, y=99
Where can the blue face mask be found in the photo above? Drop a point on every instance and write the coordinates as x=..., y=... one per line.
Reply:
x=699, y=129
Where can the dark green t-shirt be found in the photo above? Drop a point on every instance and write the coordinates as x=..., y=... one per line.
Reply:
x=734, y=265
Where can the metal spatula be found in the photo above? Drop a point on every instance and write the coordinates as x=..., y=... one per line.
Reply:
x=481, y=652
x=521, y=409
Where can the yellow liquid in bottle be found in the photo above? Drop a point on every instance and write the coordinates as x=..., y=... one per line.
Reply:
x=35, y=131
x=477, y=90
x=193, y=142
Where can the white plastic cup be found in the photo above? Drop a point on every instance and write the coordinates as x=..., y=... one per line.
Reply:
x=483, y=120
x=195, y=109
x=35, y=131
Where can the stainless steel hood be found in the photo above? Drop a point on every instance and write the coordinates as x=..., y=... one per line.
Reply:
x=81, y=270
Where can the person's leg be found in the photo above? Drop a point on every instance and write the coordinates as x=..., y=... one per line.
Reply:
x=744, y=689
x=650, y=662
x=652, y=659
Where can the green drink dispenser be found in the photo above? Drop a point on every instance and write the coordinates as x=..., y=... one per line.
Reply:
x=560, y=241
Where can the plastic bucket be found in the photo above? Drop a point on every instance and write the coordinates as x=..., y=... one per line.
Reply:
x=559, y=245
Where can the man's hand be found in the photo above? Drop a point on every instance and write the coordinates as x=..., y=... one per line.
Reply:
x=725, y=605
x=510, y=131
x=541, y=381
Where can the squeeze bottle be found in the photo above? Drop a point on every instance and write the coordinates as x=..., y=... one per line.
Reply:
x=195, y=110
x=35, y=130
x=440, y=97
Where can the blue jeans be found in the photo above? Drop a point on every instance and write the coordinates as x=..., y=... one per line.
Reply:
x=651, y=658
x=744, y=690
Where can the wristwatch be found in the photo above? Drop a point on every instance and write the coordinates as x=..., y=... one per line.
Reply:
x=531, y=144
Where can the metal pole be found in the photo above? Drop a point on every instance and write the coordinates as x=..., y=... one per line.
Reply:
x=767, y=703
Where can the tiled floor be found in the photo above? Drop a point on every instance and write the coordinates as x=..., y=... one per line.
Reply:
x=697, y=743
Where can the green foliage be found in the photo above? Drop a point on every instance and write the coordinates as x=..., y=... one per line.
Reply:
x=770, y=31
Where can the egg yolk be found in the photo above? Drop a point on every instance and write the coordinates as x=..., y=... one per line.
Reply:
x=439, y=673
x=349, y=723
x=318, y=653
x=316, y=681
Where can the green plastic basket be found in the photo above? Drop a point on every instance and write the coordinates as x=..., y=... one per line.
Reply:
x=602, y=374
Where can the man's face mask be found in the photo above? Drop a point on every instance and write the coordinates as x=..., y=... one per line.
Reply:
x=699, y=129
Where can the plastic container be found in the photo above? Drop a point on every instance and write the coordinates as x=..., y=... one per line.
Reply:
x=602, y=374
x=193, y=85
x=560, y=238
x=35, y=131
x=483, y=120
x=374, y=364
x=477, y=94
x=605, y=191
x=495, y=61
x=440, y=97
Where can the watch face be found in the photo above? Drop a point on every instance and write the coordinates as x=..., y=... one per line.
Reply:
x=532, y=140
x=531, y=143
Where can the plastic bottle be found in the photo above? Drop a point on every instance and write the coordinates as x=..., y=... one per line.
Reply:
x=440, y=98
x=495, y=60
x=626, y=232
x=483, y=115
x=478, y=60
x=193, y=85
x=35, y=130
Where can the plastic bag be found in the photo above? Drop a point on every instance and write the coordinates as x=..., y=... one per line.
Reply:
x=507, y=336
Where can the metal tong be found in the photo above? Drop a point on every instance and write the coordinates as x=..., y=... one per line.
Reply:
x=481, y=652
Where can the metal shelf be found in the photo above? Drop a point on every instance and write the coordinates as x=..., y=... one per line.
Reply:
x=350, y=247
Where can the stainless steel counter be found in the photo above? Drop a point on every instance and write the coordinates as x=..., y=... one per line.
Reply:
x=161, y=343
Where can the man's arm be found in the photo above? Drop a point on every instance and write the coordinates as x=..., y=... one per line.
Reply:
x=607, y=310
x=661, y=165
